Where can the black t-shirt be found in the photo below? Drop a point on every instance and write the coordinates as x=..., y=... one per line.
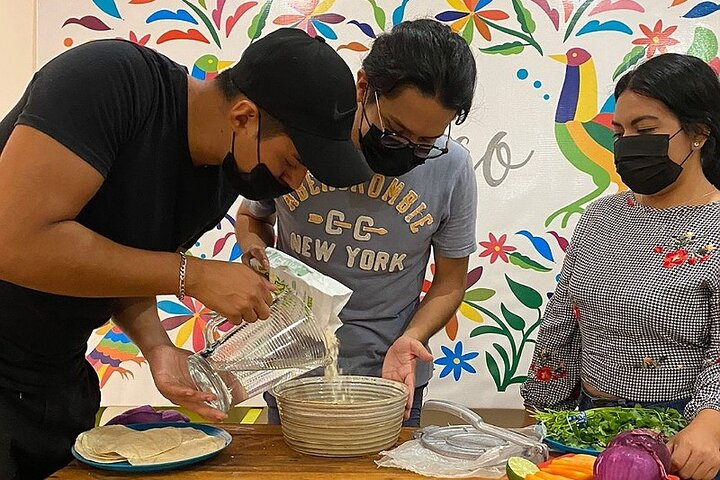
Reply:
x=122, y=108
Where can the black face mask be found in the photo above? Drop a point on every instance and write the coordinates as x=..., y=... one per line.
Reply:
x=643, y=163
x=383, y=160
x=259, y=183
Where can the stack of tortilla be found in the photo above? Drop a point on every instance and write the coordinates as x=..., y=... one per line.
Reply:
x=118, y=443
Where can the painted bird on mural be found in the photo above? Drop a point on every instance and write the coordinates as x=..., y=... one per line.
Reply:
x=584, y=134
x=208, y=66
x=114, y=349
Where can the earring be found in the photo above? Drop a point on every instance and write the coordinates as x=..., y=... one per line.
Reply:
x=696, y=144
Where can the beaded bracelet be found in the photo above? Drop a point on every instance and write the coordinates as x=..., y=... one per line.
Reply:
x=181, y=280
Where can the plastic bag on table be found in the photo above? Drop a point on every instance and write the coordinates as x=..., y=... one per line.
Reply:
x=464, y=451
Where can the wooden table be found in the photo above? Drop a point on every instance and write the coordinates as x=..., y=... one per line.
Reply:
x=258, y=452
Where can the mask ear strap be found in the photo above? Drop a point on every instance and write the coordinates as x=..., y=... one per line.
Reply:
x=377, y=105
x=258, y=136
x=674, y=134
x=686, y=157
x=363, y=116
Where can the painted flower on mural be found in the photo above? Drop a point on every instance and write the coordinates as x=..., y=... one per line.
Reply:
x=495, y=248
x=139, y=40
x=473, y=276
x=656, y=39
x=381, y=20
x=469, y=13
x=455, y=361
x=189, y=317
x=312, y=17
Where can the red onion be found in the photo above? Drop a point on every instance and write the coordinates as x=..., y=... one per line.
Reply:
x=147, y=414
x=646, y=439
x=628, y=463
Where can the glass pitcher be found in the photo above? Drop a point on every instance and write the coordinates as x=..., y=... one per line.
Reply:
x=253, y=357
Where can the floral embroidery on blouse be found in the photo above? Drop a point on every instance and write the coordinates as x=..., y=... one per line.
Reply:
x=652, y=363
x=575, y=308
x=576, y=311
x=709, y=362
x=544, y=369
x=687, y=248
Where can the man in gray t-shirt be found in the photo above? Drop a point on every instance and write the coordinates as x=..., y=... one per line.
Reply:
x=377, y=237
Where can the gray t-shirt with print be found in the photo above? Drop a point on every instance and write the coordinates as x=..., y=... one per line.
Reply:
x=376, y=238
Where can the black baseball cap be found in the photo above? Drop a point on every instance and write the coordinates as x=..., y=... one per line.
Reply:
x=303, y=83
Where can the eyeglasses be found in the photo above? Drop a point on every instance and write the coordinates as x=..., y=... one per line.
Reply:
x=395, y=141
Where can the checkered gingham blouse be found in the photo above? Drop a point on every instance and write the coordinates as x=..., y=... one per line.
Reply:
x=636, y=313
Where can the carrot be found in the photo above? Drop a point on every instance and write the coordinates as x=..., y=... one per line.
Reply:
x=545, y=463
x=549, y=476
x=577, y=467
x=567, y=456
x=552, y=459
x=586, y=461
x=569, y=473
x=577, y=459
x=585, y=458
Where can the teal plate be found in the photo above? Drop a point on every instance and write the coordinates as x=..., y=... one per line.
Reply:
x=561, y=447
x=161, y=467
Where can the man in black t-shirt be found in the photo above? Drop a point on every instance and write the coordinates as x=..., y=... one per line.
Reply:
x=112, y=163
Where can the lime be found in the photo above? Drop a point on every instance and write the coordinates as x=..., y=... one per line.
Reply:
x=518, y=468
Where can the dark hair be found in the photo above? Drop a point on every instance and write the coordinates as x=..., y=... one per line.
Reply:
x=427, y=55
x=271, y=127
x=691, y=90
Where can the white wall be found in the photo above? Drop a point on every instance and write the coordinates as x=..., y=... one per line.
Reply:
x=17, y=49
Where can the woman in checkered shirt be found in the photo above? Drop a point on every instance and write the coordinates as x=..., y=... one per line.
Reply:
x=635, y=317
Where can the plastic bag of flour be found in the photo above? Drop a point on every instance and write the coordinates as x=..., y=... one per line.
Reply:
x=325, y=296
